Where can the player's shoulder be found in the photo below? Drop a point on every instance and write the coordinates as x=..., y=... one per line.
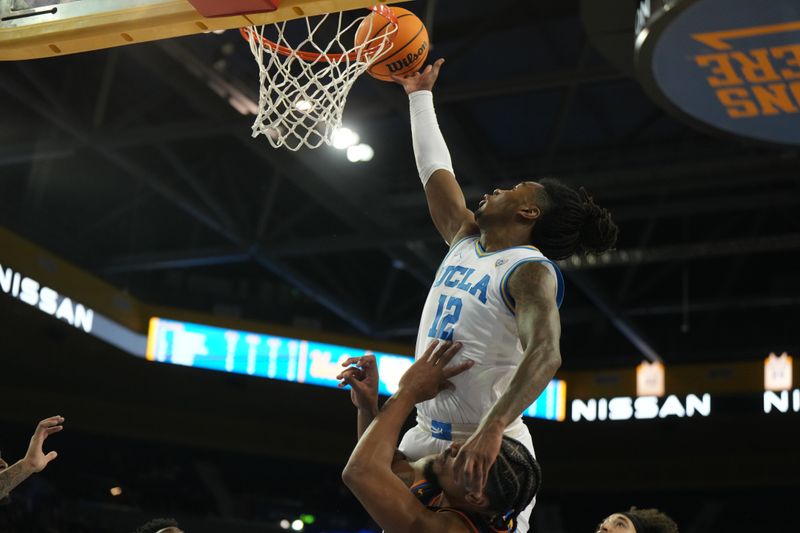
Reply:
x=468, y=230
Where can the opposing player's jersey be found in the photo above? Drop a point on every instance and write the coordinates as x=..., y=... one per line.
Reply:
x=470, y=303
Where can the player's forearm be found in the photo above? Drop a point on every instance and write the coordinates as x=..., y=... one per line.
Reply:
x=13, y=476
x=365, y=418
x=376, y=447
x=531, y=378
x=430, y=149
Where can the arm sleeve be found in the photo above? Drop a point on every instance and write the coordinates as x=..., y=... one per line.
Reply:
x=430, y=150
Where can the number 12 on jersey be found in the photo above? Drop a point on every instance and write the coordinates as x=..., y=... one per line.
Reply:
x=446, y=317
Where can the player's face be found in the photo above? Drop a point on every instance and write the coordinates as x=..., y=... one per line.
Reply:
x=444, y=468
x=508, y=201
x=616, y=523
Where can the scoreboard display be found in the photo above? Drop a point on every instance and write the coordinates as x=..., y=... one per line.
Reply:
x=295, y=360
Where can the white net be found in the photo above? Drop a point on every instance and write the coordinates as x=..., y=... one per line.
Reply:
x=307, y=67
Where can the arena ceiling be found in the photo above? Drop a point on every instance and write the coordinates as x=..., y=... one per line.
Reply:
x=135, y=164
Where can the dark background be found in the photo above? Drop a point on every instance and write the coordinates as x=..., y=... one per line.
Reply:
x=126, y=163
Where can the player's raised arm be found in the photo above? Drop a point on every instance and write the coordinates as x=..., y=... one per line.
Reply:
x=369, y=474
x=35, y=460
x=445, y=198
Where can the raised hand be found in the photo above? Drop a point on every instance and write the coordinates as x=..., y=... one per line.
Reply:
x=363, y=380
x=429, y=374
x=36, y=459
x=422, y=80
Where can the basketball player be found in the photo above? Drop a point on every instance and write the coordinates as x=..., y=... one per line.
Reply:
x=496, y=292
x=35, y=459
x=638, y=521
x=423, y=496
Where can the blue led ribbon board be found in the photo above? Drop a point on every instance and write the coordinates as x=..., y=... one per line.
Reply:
x=294, y=360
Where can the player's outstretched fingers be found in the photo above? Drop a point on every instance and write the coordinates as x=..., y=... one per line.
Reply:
x=455, y=370
x=51, y=421
x=428, y=354
x=354, y=372
x=54, y=429
x=446, y=353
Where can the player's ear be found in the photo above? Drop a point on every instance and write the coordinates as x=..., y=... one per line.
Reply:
x=478, y=499
x=530, y=212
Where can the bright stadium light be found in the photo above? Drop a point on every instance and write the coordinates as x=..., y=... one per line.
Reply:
x=344, y=138
x=360, y=152
x=304, y=106
x=298, y=525
x=285, y=524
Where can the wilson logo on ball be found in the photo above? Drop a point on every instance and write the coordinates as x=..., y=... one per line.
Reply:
x=407, y=61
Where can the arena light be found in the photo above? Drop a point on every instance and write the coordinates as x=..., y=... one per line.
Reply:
x=298, y=525
x=359, y=153
x=344, y=138
x=116, y=491
x=650, y=380
x=285, y=524
x=303, y=105
x=778, y=372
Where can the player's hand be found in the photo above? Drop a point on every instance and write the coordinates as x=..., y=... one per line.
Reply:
x=363, y=381
x=476, y=457
x=36, y=459
x=429, y=374
x=422, y=80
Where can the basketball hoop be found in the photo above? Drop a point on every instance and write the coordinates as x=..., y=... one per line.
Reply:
x=303, y=85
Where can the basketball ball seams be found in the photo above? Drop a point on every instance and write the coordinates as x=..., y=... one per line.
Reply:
x=384, y=26
x=421, y=29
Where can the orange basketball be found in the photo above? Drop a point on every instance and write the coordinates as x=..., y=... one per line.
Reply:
x=409, y=45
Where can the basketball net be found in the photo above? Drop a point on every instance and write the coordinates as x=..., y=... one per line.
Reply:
x=304, y=84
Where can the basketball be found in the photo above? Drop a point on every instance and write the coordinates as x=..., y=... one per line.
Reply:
x=409, y=45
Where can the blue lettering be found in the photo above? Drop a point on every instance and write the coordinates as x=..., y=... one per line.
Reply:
x=459, y=276
x=451, y=281
x=464, y=286
x=481, y=287
x=447, y=272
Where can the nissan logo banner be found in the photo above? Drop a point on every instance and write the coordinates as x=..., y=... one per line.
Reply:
x=733, y=65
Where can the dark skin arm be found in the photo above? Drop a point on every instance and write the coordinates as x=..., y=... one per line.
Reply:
x=446, y=201
x=361, y=374
x=369, y=473
x=534, y=290
x=35, y=459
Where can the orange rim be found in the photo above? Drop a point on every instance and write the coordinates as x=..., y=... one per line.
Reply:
x=382, y=10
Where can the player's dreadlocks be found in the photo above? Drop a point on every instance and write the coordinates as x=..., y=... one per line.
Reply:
x=651, y=521
x=571, y=223
x=513, y=481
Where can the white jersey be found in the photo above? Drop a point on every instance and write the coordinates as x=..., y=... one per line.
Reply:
x=469, y=303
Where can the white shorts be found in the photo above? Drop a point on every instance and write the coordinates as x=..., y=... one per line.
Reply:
x=418, y=442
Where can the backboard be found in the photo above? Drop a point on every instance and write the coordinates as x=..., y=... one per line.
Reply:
x=32, y=29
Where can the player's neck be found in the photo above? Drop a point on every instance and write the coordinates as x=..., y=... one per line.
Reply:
x=494, y=239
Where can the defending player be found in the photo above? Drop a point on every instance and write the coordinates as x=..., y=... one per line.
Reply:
x=497, y=292
x=423, y=496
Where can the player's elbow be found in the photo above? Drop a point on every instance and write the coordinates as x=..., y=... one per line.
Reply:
x=547, y=358
x=553, y=362
x=352, y=475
